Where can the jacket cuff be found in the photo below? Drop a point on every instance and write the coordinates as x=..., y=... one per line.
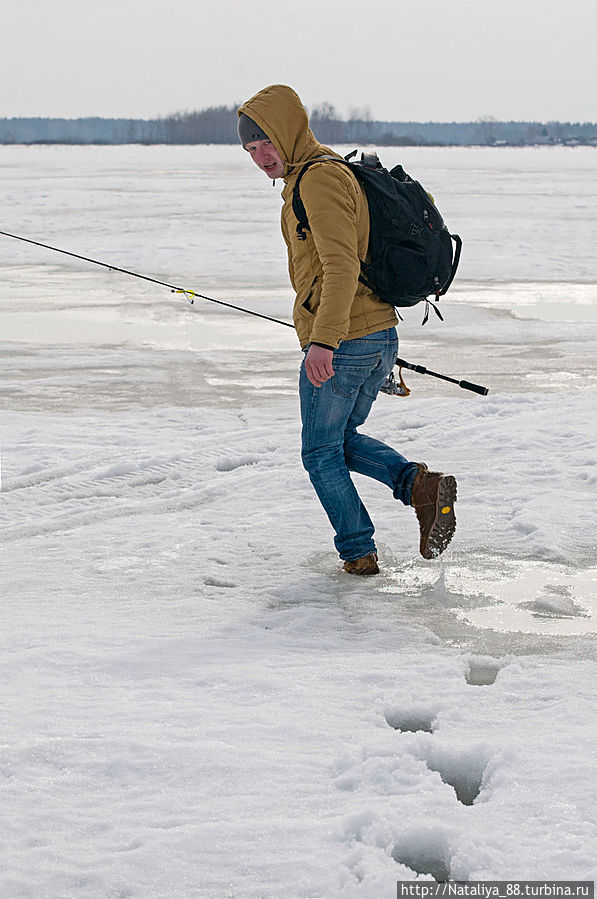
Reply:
x=324, y=345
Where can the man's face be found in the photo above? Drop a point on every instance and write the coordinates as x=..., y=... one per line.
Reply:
x=264, y=154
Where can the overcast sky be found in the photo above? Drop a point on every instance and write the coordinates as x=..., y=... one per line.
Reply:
x=419, y=60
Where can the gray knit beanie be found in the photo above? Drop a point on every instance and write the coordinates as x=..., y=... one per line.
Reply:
x=248, y=130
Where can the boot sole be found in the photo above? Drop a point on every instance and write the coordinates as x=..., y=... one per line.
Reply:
x=444, y=523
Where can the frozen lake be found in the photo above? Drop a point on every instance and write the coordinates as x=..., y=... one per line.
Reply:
x=201, y=218
x=197, y=703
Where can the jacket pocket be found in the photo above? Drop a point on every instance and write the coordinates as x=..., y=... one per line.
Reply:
x=306, y=302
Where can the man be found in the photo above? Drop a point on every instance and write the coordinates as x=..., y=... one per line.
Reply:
x=347, y=333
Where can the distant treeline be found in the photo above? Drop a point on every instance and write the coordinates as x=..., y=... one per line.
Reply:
x=217, y=125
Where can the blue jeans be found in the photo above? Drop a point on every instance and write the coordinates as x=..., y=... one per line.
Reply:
x=332, y=447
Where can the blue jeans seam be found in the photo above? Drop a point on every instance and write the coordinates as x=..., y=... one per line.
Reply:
x=370, y=462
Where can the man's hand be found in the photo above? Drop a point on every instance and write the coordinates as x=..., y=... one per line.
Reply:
x=318, y=364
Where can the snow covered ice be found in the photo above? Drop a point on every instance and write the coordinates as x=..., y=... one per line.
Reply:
x=196, y=701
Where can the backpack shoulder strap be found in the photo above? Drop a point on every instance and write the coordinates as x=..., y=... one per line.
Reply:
x=298, y=207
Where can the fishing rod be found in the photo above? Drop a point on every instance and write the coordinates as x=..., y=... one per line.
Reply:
x=466, y=385
x=191, y=294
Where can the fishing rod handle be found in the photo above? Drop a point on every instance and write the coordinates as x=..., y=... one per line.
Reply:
x=411, y=366
x=466, y=385
x=476, y=388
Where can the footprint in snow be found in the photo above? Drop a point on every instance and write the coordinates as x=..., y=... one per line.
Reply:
x=425, y=851
x=229, y=463
x=463, y=771
x=218, y=582
x=482, y=671
x=411, y=720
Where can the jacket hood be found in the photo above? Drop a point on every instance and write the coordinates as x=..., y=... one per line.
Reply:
x=278, y=111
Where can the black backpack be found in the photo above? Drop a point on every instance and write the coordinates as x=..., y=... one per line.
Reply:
x=410, y=249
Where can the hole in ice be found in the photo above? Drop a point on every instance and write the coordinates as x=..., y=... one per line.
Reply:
x=482, y=672
x=425, y=852
x=410, y=720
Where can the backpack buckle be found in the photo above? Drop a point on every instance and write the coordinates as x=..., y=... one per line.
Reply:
x=370, y=160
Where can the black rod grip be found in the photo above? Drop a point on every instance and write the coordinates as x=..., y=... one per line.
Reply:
x=476, y=388
x=420, y=369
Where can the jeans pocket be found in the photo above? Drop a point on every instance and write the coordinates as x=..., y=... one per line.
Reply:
x=350, y=373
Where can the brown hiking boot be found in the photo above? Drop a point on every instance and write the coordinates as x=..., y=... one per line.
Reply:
x=365, y=565
x=433, y=497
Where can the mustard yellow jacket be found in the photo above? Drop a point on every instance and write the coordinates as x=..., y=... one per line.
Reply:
x=331, y=303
